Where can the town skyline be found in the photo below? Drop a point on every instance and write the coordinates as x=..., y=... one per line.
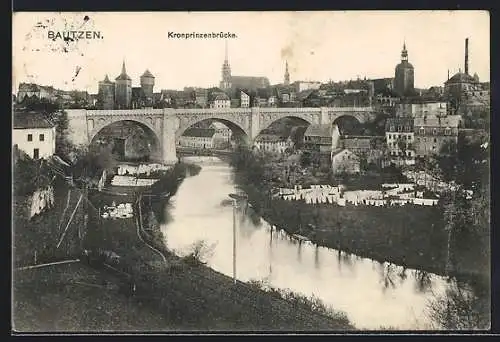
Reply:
x=304, y=39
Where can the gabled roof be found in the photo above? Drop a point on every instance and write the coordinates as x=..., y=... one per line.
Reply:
x=31, y=120
x=305, y=94
x=345, y=152
x=199, y=132
x=319, y=130
x=264, y=137
x=221, y=97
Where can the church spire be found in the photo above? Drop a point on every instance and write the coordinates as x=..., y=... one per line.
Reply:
x=226, y=70
x=123, y=75
x=287, y=74
x=404, y=53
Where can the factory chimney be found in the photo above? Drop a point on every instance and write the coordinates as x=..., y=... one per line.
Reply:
x=467, y=56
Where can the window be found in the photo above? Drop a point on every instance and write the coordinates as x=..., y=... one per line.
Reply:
x=41, y=137
x=434, y=131
x=30, y=137
x=435, y=140
x=422, y=131
x=447, y=131
x=36, y=153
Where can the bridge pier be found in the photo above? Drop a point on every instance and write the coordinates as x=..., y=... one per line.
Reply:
x=168, y=140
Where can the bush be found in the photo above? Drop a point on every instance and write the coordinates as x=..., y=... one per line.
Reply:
x=200, y=251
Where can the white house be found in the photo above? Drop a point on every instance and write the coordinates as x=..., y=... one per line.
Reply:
x=202, y=138
x=34, y=134
x=221, y=101
x=244, y=100
x=272, y=101
x=271, y=143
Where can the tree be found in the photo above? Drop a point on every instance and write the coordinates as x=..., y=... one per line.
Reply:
x=305, y=159
x=29, y=175
x=63, y=144
x=464, y=161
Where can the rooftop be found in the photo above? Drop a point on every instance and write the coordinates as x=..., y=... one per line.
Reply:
x=461, y=77
x=270, y=138
x=221, y=97
x=345, y=152
x=435, y=121
x=319, y=130
x=199, y=132
x=31, y=120
x=147, y=73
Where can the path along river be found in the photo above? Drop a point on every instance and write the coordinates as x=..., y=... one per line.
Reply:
x=372, y=294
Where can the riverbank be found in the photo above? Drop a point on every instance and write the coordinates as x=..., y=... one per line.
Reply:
x=226, y=305
x=410, y=236
x=124, y=277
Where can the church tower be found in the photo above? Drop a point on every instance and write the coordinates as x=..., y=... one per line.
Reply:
x=287, y=75
x=226, y=72
x=404, y=76
x=123, y=89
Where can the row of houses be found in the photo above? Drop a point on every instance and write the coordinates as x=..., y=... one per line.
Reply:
x=32, y=91
x=391, y=194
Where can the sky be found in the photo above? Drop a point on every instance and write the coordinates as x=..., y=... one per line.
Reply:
x=319, y=46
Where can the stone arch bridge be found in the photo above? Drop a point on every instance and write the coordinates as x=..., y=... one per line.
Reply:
x=169, y=124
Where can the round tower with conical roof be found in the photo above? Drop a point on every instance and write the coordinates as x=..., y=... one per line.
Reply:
x=147, y=85
x=123, y=89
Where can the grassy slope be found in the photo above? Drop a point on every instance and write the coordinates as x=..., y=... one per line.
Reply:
x=179, y=296
x=41, y=233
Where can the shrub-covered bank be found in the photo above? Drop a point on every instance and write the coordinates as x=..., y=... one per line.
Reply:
x=188, y=294
x=411, y=236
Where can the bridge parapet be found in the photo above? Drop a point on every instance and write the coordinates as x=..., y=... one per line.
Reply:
x=350, y=109
x=124, y=112
x=272, y=110
x=187, y=111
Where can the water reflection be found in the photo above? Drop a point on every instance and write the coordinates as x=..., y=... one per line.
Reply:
x=372, y=294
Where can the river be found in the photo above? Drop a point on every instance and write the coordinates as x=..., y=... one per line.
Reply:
x=373, y=295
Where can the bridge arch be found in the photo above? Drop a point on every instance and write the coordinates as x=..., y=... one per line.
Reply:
x=348, y=116
x=147, y=126
x=96, y=125
x=240, y=126
x=302, y=120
